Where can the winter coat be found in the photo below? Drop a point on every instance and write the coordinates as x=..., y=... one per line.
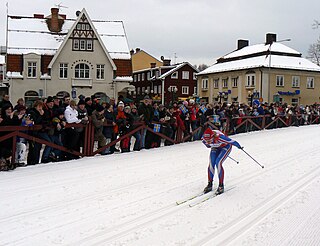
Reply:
x=71, y=115
x=97, y=121
x=146, y=111
x=109, y=119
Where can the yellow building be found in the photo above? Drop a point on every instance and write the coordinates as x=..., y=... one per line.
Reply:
x=142, y=60
x=270, y=72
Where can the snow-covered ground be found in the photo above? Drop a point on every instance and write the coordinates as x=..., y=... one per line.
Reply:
x=130, y=199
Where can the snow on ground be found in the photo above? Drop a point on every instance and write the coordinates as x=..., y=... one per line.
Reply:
x=130, y=199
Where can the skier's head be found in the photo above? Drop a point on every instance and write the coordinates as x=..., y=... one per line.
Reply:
x=209, y=134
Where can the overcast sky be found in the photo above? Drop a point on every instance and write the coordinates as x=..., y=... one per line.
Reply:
x=197, y=31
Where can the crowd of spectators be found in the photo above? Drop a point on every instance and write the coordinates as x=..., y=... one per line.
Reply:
x=115, y=119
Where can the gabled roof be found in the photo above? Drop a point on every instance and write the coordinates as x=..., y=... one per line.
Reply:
x=176, y=69
x=275, y=55
x=83, y=12
x=31, y=35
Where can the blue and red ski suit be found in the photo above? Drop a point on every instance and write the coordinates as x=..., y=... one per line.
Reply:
x=221, y=147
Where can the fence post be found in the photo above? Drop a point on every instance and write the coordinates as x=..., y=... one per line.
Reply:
x=14, y=149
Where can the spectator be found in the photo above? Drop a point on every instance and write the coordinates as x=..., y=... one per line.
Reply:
x=98, y=120
x=137, y=134
x=56, y=105
x=5, y=100
x=108, y=131
x=8, y=118
x=66, y=101
x=38, y=116
x=89, y=105
x=21, y=149
x=145, y=111
x=20, y=102
x=72, y=135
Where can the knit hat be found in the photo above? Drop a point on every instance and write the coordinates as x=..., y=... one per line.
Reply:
x=208, y=134
x=49, y=99
x=127, y=107
x=99, y=108
x=87, y=99
x=121, y=104
x=81, y=102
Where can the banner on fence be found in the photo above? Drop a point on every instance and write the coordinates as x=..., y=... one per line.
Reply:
x=156, y=127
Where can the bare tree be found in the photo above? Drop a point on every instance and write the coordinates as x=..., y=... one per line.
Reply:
x=202, y=67
x=314, y=52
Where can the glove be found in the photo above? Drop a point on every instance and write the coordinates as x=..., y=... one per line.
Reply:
x=241, y=147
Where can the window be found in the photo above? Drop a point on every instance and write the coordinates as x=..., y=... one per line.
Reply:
x=76, y=44
x=280, y=80
x=216, y=83
x=155, y=89
x=194, y=76
x=82, y=71
x=185, y=74
x=100, y=71
x=142, y=77
x=250, y=80
x=89, y=44
x=174, y=75
x=157, y=74
x=63, y=71
x=82, y=44
x=138, y=90
x=185, y=90
x=295, y=81
x=204, y=84
x=139, y=77
x=225, y=83
x=234, y=82
x=310, y=82
x=159, y=89
x=135, y=78
x=195, y=90
x=32, y=69
x=148, y=75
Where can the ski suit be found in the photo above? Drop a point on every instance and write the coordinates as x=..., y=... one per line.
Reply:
x=221, y=147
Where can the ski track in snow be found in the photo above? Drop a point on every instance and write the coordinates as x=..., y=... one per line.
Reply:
x=130, y=199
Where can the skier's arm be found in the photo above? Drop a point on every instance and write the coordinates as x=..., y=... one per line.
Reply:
x=227, y=140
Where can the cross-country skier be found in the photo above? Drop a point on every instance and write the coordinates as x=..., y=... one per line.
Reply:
x=221, y=147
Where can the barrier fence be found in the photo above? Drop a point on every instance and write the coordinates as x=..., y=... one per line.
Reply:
x=228, y=126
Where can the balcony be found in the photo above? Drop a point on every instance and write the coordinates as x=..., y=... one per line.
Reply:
x=81, y=82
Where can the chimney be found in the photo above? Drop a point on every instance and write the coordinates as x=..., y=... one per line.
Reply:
x=55, y=21
x=270, y=38
x=242, y=43
x=132, y=52
x=166, y=62
x=137, y=50
x=153, y=65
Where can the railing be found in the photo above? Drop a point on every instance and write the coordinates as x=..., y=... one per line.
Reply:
x=229, y=126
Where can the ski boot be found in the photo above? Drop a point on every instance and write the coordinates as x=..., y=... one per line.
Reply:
x=220, y=190
x=208, y=188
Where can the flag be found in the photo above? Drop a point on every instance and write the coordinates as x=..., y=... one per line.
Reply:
x=203, y=109
x=183, y=109
x=156, y=127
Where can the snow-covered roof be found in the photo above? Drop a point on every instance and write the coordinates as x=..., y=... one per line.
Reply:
x=285, y=62
x=258, y=48
x=176, y=69
x=31, y=35
x=123, y=79
x=281, y=57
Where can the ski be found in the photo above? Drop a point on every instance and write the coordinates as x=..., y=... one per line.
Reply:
x=190, y=198
x=209, y=197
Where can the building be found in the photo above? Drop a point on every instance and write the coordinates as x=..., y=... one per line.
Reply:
x=269, y=72
x=55, y=55
x=166, y=83
x=142, y=60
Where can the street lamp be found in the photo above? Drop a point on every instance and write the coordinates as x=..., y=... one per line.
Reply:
x=173, y=91
x=269, y=52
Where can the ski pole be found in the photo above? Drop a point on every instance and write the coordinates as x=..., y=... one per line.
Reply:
x=233, y=159
x=253, y=158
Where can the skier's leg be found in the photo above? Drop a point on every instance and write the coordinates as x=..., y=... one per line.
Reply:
x=225, y=151
x=211, y=170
